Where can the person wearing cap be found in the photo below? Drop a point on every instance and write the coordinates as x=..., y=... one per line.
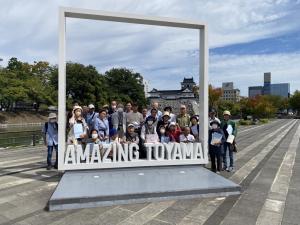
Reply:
x=164, y=122
x=91, y=117
x=174, y=132
x=76, y=122
x=195, y=127
x=172, y=115
x=186, y=136
x=229, y=128
x=50, y=136
x=135, y=117
x=131, y=136
x=101, y=125
x=106, y=107
x=212, y=116
x=216, y=139
x=149, y=130
x=183, y=119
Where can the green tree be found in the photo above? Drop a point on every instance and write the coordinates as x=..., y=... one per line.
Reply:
x=294, y=101
x=125, y=85
x=11, y=89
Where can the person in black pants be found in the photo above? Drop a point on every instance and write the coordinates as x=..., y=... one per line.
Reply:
x=216, y=140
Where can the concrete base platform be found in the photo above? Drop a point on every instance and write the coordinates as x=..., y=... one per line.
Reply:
x=84, y=189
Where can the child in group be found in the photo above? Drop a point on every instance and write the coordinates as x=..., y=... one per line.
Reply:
x=186, y=136
x=94, y=137
x=131, y=136
x=216, y=140
x=174, y=132
x=164, y=135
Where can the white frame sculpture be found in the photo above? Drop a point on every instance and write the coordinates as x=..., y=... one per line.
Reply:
x=135, y=19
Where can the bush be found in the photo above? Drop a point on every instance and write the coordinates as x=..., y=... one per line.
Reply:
x=245, y=122
x=263, y=120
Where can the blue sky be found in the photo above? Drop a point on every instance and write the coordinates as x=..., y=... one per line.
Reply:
x=246, y=39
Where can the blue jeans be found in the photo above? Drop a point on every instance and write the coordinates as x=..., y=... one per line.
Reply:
x=225, y=155
x=49, y=156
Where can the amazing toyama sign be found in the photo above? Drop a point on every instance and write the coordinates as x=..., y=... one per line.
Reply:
x=127, y=155
x=94, y=156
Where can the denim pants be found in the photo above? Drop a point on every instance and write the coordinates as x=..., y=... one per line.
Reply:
x=49, y=156
x=225, y=155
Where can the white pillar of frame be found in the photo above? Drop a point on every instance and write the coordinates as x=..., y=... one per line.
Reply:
x=61, y=88
x=203, y=89
x=135, y=19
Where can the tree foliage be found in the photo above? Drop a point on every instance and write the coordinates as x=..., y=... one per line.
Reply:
x=38, y=83
x=294, y=101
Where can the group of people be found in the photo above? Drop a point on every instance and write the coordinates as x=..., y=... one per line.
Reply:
x=124, y=124
x=116, y=123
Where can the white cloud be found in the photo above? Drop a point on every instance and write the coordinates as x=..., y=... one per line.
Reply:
x=29, y=31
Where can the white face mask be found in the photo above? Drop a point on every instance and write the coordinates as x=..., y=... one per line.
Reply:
x=94, y=136
x=150, y=122
x=120, y=109
x=113, y=106
x=52, y=120
x=162, y=131
x=214, y=126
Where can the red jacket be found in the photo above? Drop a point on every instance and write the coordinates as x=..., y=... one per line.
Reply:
x=175, y=135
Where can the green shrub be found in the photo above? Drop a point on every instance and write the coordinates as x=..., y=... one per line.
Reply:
x=263, y=120
x=245, y=122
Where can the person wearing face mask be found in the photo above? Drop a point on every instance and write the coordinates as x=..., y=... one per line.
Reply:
x=148, y=132
x=195, y=127
x=164, y=135
x=50, y=136
x=78, y=127
x=102, y=126
x=164, y=122
x=94, y=137
x=216, y=139
x=174, y=132
x=118, y=120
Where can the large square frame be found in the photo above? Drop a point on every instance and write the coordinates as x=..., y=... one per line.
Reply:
x=134, y=19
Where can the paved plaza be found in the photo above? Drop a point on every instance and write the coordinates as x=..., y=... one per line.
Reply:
x=267, y=168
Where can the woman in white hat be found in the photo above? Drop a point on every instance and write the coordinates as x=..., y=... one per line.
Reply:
x=78, y=127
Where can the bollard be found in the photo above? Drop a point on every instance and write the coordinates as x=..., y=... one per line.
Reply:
x=33, y=139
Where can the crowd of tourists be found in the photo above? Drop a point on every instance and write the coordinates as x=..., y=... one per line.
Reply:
x=129, y=124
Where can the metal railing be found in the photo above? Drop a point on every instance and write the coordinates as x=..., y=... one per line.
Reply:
x=20, y=138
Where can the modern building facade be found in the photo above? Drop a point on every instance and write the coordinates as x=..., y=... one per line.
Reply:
x=282, y=89
x=254, y=91
x=230, y=93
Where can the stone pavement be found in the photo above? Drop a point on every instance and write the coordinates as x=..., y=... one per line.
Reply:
x=267, y=168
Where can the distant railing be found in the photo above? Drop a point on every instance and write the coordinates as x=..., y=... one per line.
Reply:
x=23, y=138
x=4, y=126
